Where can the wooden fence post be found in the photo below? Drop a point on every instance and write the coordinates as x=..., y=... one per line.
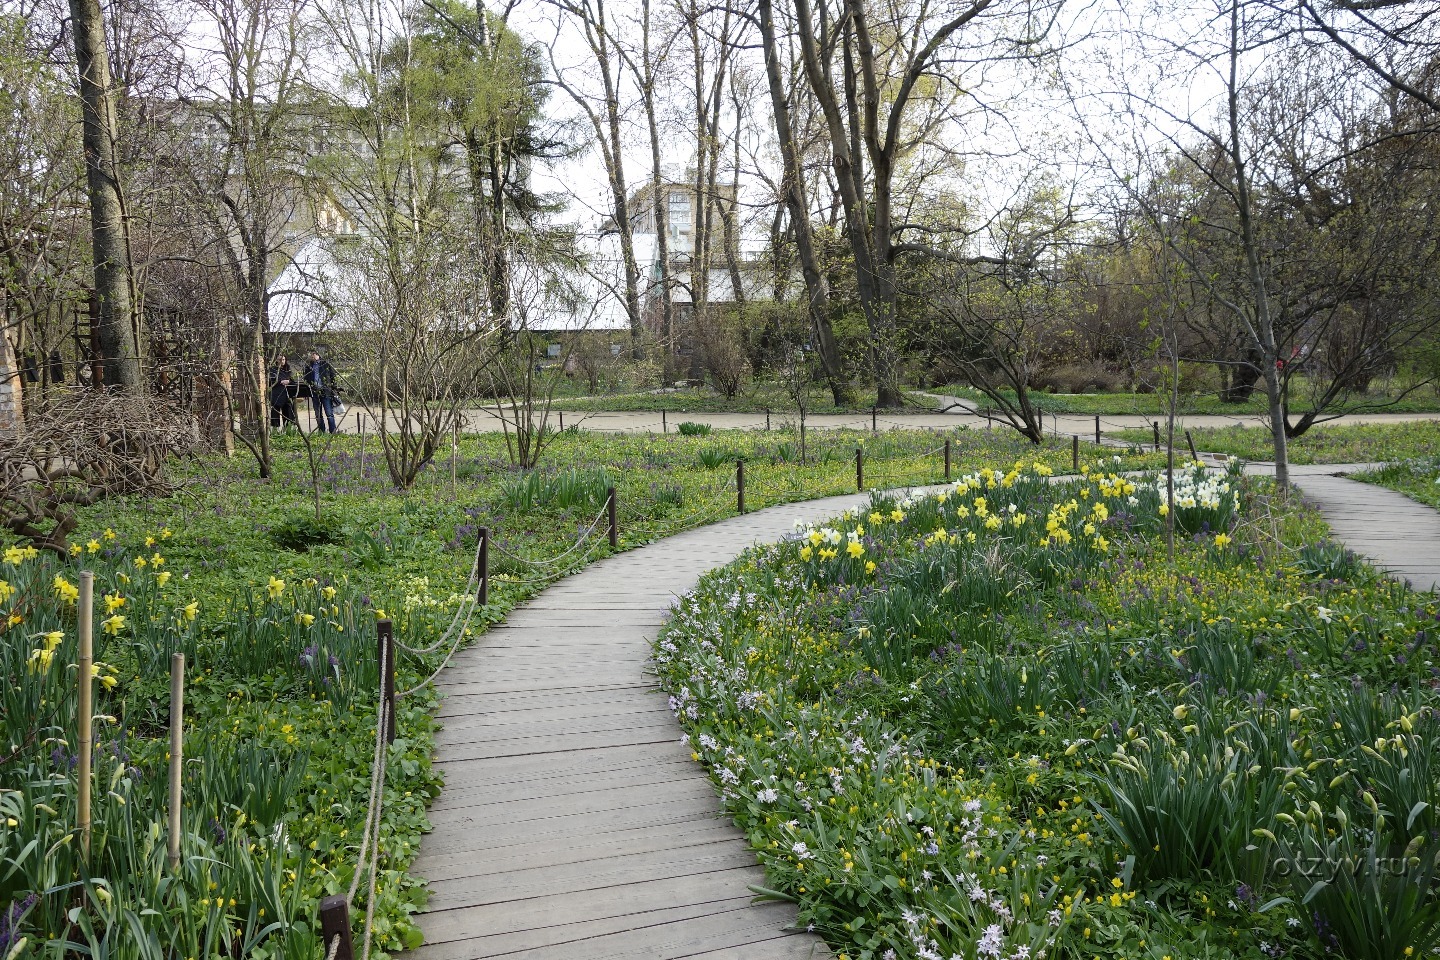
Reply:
x=335, y=922
x=767, y=419
x=385, y=639
x=85, y=707
x=947, y=459
x=483, y=597
x=1075, y=451
x=664, y=423
x=562, y=420
x=740, y=485
x=614, y=525
x=177, y=754
x=1097, y=429
x=1189, y=440
x=1156, y=426
x=859, y=469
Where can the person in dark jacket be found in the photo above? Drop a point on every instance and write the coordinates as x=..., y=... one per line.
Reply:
x=282, y=395
x=320, y=378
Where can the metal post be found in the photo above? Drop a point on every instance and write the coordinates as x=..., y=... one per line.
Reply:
x=1075, y=451
x=483, y=597
x=664, y=423
x=562, y=420
x=740, y=485
x=767, y=419
x=1040, y=415
x=1189, y=440
x=947, y=459
x=385, y=638
x=335, y=922
x=177, y=753
x=1097, y=429
x=859, y=469
x=85, y=708
x=614, y=526
x=1156, y=426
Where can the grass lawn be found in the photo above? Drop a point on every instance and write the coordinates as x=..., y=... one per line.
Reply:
x=276, y=612
x=1329, y=443
x=1001, y=723
x=756, y=399
x=1154, y=404
x=1418, y=478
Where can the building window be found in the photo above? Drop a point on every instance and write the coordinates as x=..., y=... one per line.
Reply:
x=679, y=209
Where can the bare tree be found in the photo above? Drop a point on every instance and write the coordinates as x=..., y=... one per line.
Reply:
x=884, y=76
x=117, y=323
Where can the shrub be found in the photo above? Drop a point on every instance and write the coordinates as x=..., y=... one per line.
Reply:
x=691, y=429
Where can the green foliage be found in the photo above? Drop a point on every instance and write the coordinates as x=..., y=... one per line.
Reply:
x=689, y=428
x=1418, y=478
x=1328, y=443
x=938, y=712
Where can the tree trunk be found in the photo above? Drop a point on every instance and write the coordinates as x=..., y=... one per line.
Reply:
x=797, y=203
x=119, y=363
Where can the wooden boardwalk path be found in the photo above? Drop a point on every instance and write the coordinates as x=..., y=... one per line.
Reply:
x=1398, y=534
x=573, y=822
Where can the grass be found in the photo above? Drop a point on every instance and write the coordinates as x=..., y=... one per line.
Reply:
x=1328, y=443
x=1418, y=478
x=260, y=595
x=1193, y=404
x=757, y=399
x=1002, y=723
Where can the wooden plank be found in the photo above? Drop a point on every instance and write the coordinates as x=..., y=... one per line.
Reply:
x=572, y=813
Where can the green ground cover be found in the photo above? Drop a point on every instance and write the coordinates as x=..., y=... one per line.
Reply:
x=757, y=399
x=1418, y=478
x=276, y=614
x=1155, y=404
x=1328, y=443
x=999, y=723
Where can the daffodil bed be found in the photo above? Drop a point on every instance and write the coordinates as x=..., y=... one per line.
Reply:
x=275, y=611
x=1327, y=443
x=998, y=722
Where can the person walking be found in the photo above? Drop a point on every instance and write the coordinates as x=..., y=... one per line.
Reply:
x=320, y=378
x=282, y=395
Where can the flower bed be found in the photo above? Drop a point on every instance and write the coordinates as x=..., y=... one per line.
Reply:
x=996, y=722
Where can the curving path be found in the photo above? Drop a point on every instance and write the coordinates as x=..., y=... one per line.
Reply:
x=573, y=822
x=1397, y=534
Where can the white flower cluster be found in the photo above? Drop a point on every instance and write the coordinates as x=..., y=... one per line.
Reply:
x=1198, y=490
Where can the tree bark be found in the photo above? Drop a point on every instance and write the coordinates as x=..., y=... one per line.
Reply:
x=797, y=204
x=119, y=363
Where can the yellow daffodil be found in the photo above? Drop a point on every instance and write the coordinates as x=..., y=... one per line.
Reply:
x=114, y=624
x=162, y=578
x=190, y=610
x=855, y=549
x=93, y=546
x=869, y=566
x=275, y=588
x=328, y=593
x=113, y=602
x=6, y=591
x=157, y=560
x=1222, y=540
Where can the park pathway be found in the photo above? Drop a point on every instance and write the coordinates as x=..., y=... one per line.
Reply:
x=1396, y=533
x=573, y=822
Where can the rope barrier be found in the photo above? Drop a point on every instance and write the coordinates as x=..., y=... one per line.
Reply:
x=552, y=561
x=470, y=586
